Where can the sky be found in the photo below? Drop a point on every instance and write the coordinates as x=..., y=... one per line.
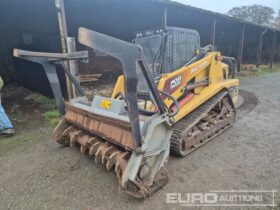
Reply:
x=223, y=6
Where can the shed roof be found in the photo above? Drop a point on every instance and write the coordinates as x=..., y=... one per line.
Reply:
x=215, y=14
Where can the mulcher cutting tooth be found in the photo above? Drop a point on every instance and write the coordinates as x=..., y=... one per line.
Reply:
x=68, y=130
x=83, y=141
x=99, y=153
x=94, y=147
x=111, y=160
x=74, y=137
x=106, y=154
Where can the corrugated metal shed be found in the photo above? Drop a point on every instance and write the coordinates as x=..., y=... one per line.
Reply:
x=32, y=25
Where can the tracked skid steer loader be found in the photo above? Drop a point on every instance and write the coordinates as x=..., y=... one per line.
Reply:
x=173, y=97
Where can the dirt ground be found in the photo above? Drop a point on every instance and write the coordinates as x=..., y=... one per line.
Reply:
x=39, y=174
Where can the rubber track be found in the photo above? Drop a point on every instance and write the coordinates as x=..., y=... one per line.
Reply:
x=181, y=128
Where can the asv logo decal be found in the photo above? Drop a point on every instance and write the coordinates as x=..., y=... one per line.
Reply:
x=175, y=82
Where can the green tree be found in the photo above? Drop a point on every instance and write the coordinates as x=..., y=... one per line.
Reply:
x=258, y=14
x=277, y=21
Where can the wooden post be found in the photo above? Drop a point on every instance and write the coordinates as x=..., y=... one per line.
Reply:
x=240, y=49
x=164, y=18
x=59, y=4
x=277, y=49
x=278, y=52
x=213, y=33
x=259, y=51
x=272, y=53
x=73, y=64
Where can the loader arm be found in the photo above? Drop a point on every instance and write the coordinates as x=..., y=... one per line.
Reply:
x=129, y=55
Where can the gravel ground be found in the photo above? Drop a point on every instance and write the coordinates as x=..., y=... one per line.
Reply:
x=45, y=175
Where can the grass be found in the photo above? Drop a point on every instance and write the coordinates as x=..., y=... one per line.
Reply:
x=45, y=102
x=52, y=117
x=51, y=114
x=259, y=71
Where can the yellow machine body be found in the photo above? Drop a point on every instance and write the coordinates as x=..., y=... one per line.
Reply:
x=210, y=67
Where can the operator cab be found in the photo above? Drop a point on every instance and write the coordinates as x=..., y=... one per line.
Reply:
x=165, y=50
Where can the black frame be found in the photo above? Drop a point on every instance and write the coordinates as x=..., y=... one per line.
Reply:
x=48, y=61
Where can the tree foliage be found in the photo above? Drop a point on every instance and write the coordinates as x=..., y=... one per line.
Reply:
x=277, y=21
x=258, y=14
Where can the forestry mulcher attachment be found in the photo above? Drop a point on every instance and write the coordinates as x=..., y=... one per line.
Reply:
x=173, y=97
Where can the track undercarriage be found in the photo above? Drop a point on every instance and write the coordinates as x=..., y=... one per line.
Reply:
x=203, y=124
